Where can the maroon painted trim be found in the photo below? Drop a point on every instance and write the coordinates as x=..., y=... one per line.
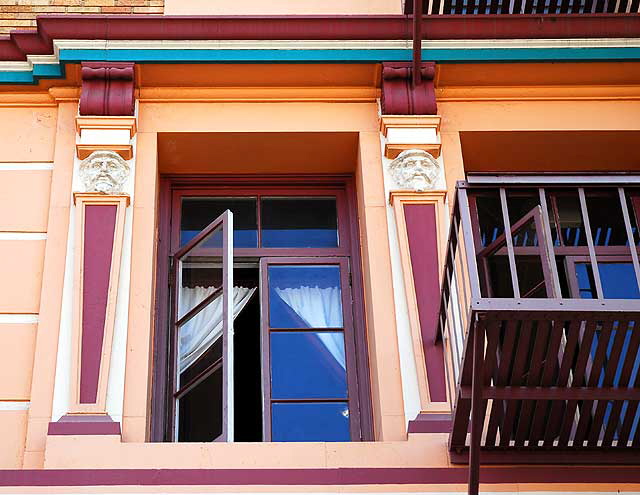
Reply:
x=84, y=425
x=328, y=476
x=430, y=423
x=422, y=235
x=99, y=232
x=160, y=397
x=18, y=44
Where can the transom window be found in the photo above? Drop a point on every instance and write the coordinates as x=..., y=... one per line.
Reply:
x=262, y=340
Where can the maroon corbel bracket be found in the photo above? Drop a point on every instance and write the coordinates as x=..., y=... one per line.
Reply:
x=401, y=97
x=107, y=89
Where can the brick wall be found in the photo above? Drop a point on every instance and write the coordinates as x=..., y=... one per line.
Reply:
x=21, y=14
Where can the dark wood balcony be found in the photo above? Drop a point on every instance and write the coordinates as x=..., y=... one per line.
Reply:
x=540, y=315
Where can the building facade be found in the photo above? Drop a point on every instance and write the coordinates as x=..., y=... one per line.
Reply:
x=287, y=247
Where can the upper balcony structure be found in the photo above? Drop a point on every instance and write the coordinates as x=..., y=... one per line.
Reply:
x=479, y=7
x=540, y=314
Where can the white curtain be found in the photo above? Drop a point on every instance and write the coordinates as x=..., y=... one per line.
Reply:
x=201, y=332
x=319, y=308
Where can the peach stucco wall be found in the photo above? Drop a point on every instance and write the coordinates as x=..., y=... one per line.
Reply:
x=47, y=134
x=37, y=144
x=282, y=7
x=28, y=211
x=27, y=139
x=44, y=366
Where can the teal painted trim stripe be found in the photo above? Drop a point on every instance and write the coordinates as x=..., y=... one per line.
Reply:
x=173, y=55
x=532, y=54
x=371, y=56
x=442, y=55
x=17, y=77
x=48, y=70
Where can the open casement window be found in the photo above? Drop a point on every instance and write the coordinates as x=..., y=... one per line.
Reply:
x=307, y=331
x=203, y=331
x=287, y=347
x=523, y=253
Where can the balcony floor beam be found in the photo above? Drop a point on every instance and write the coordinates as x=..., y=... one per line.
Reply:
x=554, y=393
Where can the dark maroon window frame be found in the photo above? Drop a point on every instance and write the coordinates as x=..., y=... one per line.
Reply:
x=172, y=190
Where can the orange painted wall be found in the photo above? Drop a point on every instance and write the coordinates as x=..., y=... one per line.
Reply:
x=36, y=145
x=282, y=7
x=166, y=143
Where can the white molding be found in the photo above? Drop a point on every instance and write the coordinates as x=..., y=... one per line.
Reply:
x=341, y=44
x=14, y=405
x=18, y=166
x=22, y=66
x=23, y=236
x=18, y=318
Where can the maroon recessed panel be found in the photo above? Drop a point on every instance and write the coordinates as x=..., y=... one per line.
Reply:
x=99, y=231
x=423, y=248
x=401, y=97
x=107, y=89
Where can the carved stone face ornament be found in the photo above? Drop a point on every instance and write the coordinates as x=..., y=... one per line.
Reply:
x=104, y=172
x=415, y=170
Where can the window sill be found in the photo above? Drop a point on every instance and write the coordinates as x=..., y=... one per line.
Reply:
x=110, y=452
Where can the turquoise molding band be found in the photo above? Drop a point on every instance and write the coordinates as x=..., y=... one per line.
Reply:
x=439, y=55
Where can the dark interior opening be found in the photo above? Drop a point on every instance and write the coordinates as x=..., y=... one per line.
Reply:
x=248, y=366
x=200, y=415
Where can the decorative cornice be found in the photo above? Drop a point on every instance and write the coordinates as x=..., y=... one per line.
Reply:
x=19, y=44
x=214, y=51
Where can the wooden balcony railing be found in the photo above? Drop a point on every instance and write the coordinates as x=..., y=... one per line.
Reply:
x=540, y=315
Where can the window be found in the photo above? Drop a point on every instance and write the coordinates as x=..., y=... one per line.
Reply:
x=264, y=341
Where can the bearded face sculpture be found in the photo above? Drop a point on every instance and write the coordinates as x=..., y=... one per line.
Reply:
x=415, y=170
x=104, y=172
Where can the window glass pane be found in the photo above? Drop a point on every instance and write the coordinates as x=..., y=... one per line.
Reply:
x=200, y=411
x=202, y=330
x=199, y=272
x=618, y=280
x=308, y=365
x=197, y=213
x=605, y=218
x=305, y=296
x=299, y=222
x=310, y=422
